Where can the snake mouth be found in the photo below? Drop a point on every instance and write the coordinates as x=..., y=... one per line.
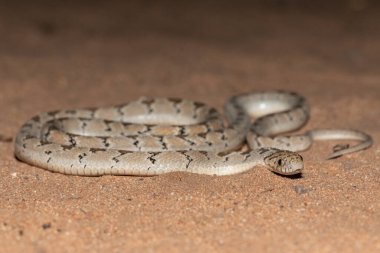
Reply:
x=285, y=163
x=294, y=170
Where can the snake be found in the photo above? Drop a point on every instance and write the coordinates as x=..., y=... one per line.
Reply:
x=152, y=136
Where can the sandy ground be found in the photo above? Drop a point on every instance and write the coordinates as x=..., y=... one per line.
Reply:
x=72, y=55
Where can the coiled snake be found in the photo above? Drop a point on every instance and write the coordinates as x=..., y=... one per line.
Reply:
x=160, y=135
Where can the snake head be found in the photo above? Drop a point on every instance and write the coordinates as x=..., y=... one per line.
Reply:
x=284, y=162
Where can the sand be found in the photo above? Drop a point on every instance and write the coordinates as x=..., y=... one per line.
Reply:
x=84, y=54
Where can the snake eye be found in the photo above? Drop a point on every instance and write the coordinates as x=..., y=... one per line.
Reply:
x=284, y=163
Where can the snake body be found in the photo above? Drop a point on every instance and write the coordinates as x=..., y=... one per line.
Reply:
x=151, y=136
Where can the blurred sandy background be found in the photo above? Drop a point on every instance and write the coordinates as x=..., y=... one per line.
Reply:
x=70, y=54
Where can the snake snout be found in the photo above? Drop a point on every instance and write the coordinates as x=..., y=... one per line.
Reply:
x=285, y=162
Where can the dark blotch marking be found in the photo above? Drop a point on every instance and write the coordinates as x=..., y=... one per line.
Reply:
x=108, y=127
x=258, y=143
x=205, y=153
x=53, y=113
x=36, y=118
x=83, y=125
x=42, y=143
x=208, y=127
x=213, y=111
x=126, y=124
x=182, y=130
x=94, y=150
x=202, y=135
x=175, y=102
x=120, y=108
x=72, y=140
x=198, y=105
x=151, y=158
x=27, y=125
x=81, y=156
x=188, y=141
x=49, y=130
x=263, y=150
x=121, y=153
x=162, y=143
x=147, y=129
x=292, y=93
x=72, y=112
x=189, y=159
x=148, y=102
x=247, y=155
x=105, y=141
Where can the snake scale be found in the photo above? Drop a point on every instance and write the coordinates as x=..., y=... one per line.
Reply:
x=151, y=136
